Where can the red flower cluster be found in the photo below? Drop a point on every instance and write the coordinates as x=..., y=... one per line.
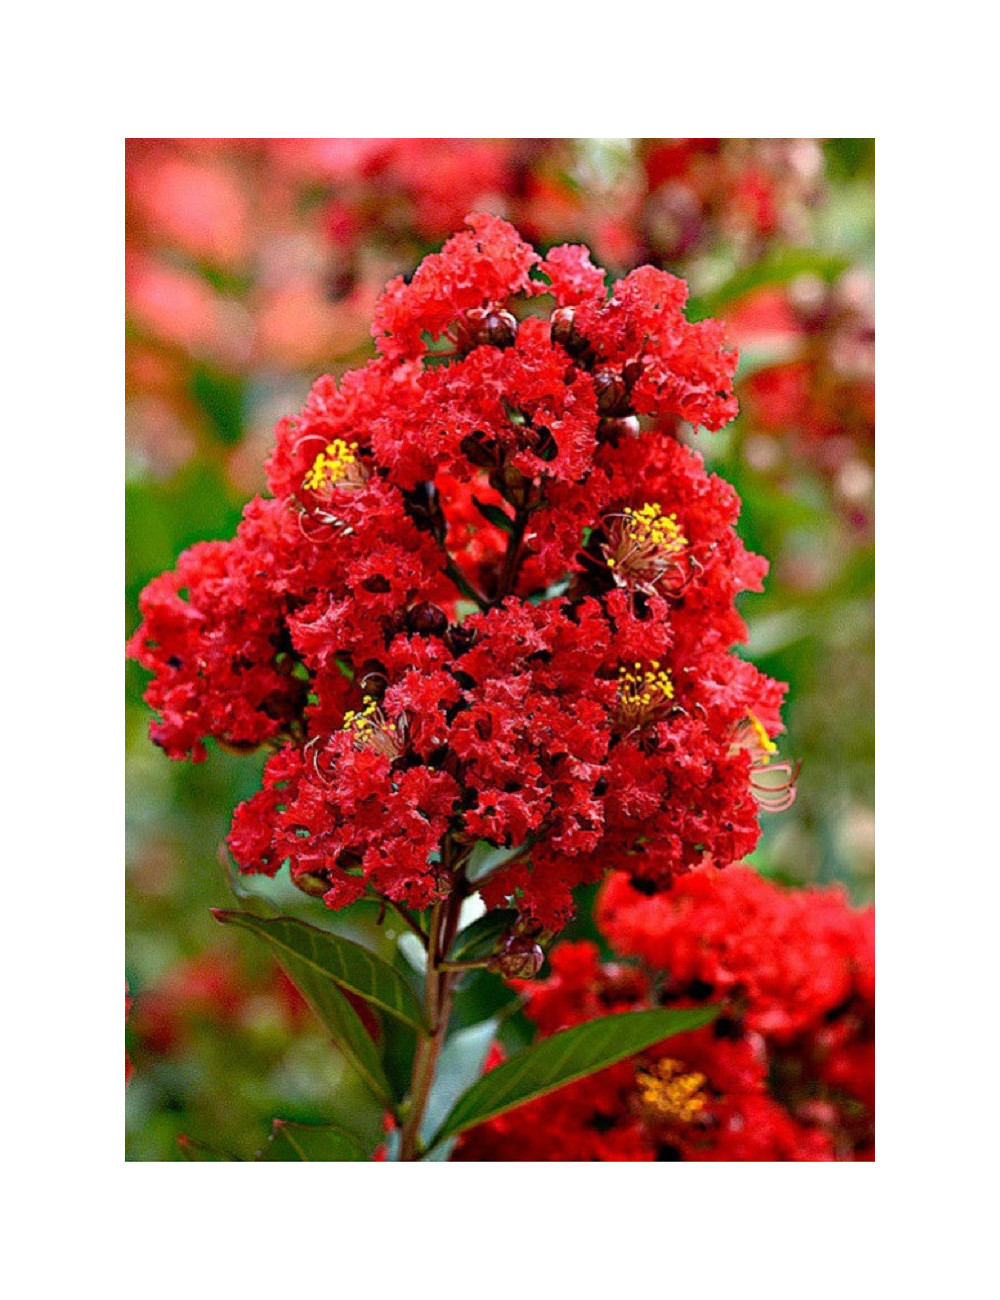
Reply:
x=818, y=400
x=644, y=199
x=786, y=1072
x=491, y=599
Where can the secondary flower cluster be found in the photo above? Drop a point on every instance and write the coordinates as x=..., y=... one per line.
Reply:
x=817, y=402
x=491, y=599
x=787, y=1071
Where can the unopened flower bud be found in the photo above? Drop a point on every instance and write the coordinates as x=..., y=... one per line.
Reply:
x=565, y=332
x=478, y=326
x=520, y=958
x=612, y=393
x=427, y=619
x=459, y=638
x=499, y=329
x=614, y=429
x=632, y=371
x=373, y=681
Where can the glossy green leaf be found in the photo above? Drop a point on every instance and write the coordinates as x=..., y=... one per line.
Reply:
x=479, y=939
x=480, y=996
x=487, y=858
x=310, y=1142
x=566, y=1056
x=341, y=1021
x=347, y=963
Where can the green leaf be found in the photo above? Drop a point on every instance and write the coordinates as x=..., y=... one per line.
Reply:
x=398, y=1050
x=479, y=939
x=563, y=1058
x=310, y=1142
x=480, y=996
x=341, y=960
x=487, y=858
x=495, y=516
x=342, y=1022
x=776, y=269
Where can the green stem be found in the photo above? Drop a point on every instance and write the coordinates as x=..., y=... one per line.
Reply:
x=438, y=988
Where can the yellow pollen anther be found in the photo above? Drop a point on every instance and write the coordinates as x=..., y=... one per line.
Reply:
x=649, y=525
x=642, y=693
x=331, y=466
x=371, y=729
x=766, y=743
x=668, y=1093
x=644, y=547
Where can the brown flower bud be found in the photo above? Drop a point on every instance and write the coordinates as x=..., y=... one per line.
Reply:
x=614, y=429
x=612, y=392
x=520, y=958
x=372, y=680
x=499, y=329
x=427, y=619
x=459, y=638
x=632, y=371
x=566, y=334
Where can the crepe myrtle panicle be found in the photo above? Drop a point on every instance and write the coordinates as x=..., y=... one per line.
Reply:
x=786, y=1071
x=489, y=603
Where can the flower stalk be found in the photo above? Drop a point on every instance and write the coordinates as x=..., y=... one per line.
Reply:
x=439, y=986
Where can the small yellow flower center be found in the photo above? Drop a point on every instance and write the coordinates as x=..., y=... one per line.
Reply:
x=651, y=527
x=331, y=466
x=643, y=548
x=372, y=730
x=669, y=1094
x=362, y=719
x=642, y=693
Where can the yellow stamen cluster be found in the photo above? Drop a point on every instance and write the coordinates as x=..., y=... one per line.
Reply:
x=651, y=527
x=371, y=729
x=331, y=466
x=644, y=548
x=362, y=719
x=668, y=1093
x=643, y=692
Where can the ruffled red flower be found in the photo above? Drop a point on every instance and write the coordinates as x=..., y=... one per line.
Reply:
x=491, y=600
x=787, y=1070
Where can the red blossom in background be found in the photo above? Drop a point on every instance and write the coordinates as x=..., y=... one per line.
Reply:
x=491, y=599
x=785, y=1073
